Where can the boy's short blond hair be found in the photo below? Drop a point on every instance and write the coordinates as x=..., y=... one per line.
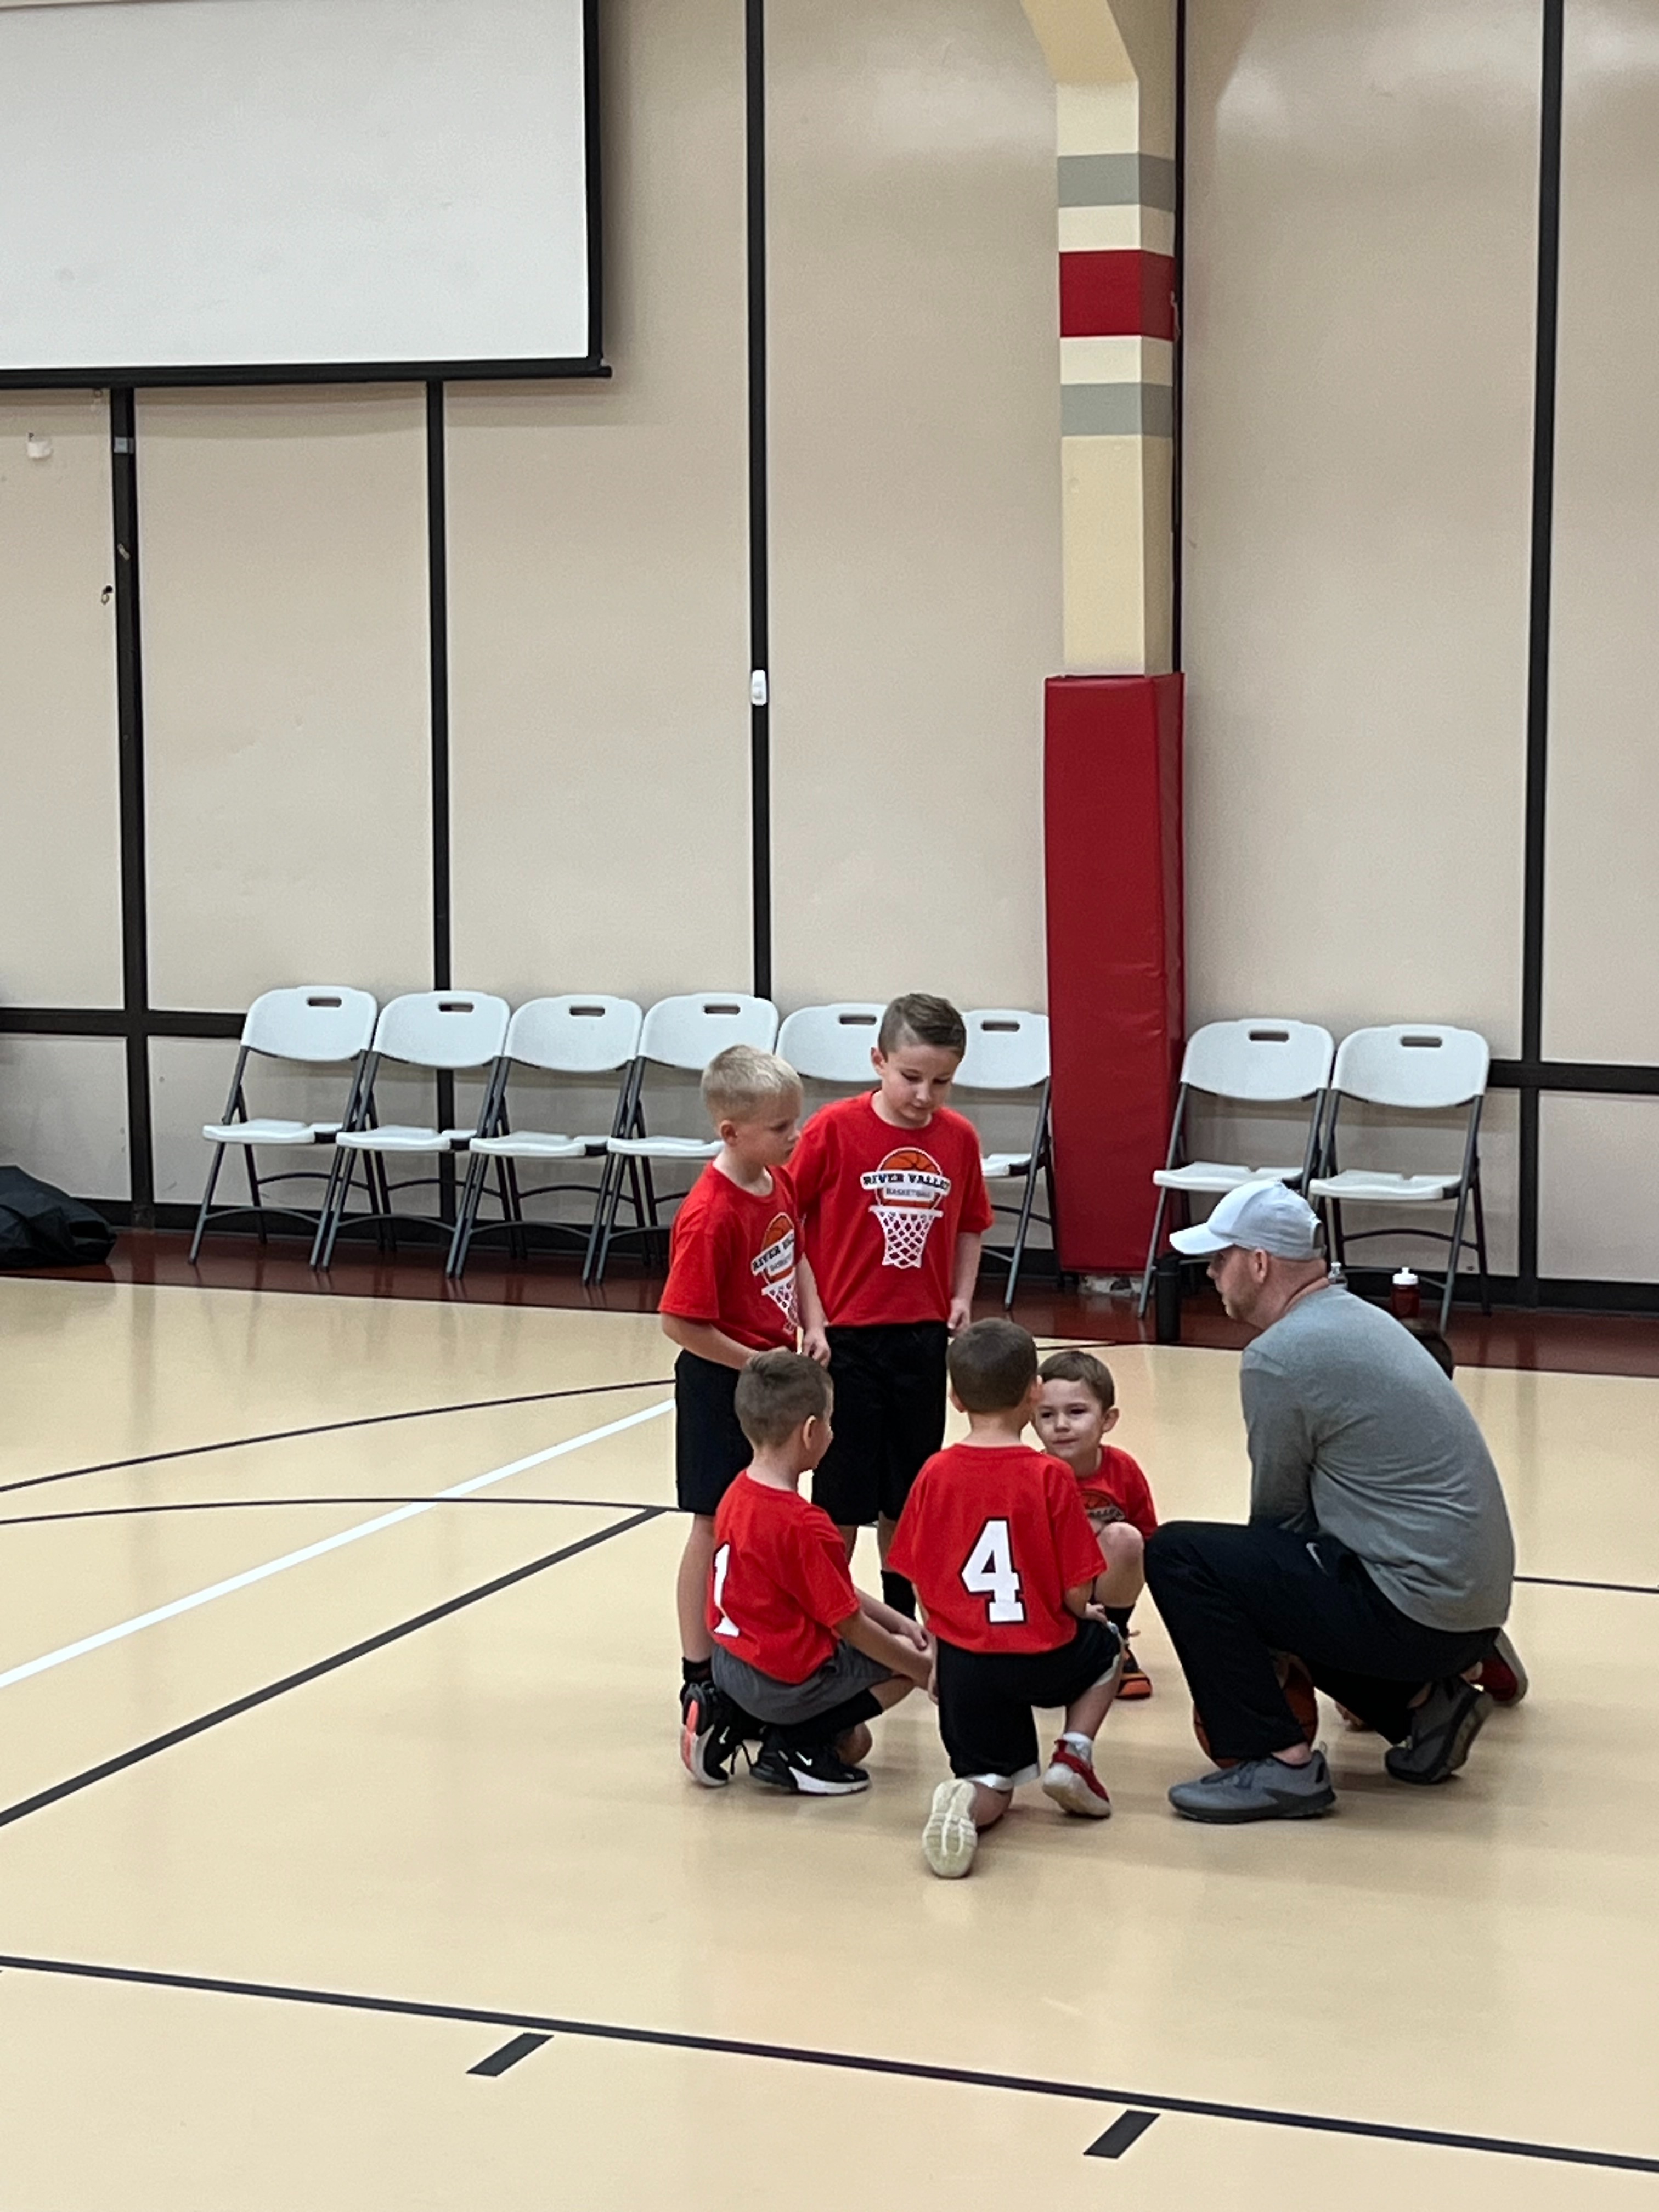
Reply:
x=740, y=1083
x=1081, y=1367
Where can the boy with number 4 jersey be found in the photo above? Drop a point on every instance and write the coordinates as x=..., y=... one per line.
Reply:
x=996, y=1540
x=893, y=1208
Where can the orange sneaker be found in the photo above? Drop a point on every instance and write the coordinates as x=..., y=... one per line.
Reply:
x=1136, y=1682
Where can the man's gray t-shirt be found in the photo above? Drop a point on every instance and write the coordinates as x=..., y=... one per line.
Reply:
x=1354, y=1431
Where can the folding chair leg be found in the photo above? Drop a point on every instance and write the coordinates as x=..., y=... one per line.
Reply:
x=254, y=1199
x=465, y=1213
x=1151, y=1252
x=207, y=1201
x=601, y=1196
x=1454, y=1256
x=336, y=1168
x=1333, y=1237
x=1016, y=1258
x=329, y=1230
x=1481, y=1244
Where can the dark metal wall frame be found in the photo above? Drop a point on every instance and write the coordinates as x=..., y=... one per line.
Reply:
x=136, y=1022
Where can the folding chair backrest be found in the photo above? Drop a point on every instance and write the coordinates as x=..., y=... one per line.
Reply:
x=442, y=1029
x=832, y=1044
x=1007, y=1049
x=1261, y=1059
x=1414, y=1065
x=575, y=1035
x=689, y=1030
x=322, y=1022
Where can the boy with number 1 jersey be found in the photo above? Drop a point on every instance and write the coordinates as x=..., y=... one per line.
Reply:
x=893, y=1209
x=1003, y=1560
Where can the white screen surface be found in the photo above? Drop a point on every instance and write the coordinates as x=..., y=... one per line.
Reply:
x=239, y=184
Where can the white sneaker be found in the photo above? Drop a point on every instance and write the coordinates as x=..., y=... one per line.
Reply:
x=1072, y=1782
x=950, y=1838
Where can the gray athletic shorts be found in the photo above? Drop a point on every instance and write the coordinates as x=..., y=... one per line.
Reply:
x=845, y=1675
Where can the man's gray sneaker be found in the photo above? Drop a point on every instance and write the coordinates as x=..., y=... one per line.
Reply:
x=1442, y=1729
x=1259, y=1789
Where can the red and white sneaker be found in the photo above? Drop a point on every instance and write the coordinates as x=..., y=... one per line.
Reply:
x=1072, y=1782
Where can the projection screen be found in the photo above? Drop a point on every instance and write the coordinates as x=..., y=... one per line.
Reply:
x=237, y=190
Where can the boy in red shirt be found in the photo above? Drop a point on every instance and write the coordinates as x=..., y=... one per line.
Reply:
x=996, y=1540
x=894, y=1210
x=734, y=1274
x=1076, y=1411
x=795, y=1645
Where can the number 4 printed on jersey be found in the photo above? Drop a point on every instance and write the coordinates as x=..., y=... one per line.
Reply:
x=990, y=1574
x=723, y=1626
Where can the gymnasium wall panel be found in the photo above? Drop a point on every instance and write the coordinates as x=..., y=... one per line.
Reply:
x=915, y=584
x=598, y=574
x=1601, y=943
x=60, y=861
x=63, y=1112
x=1599, y=1199
x=1360, y=280
x=287, y=690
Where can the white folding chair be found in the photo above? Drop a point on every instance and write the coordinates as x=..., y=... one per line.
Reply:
x=685, y=1032
x=311, y=1025
x=832, y=1044
x=1420, y=1068
x=1259, y=1060
x=575, y=1035
x=1008, y=1053
x=444, y=1031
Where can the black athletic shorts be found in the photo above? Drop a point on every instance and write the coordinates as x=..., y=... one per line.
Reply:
x=888, y=1417
x=710, y=1450
x=985, y=1701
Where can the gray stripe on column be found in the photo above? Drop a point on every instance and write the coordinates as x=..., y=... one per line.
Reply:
x=1117, y=410
x=1117, y=181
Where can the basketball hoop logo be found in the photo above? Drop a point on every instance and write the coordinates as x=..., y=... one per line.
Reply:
x=774, y=1266
x=909, y=1190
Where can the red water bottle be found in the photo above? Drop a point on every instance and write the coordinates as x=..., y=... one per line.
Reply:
x=1403, y=1299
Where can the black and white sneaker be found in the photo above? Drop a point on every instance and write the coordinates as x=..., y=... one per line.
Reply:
x=711, y=1733
x=810, y=1770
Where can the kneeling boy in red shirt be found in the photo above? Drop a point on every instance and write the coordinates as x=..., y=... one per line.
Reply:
x=1003, y=1560
x=795, y=1645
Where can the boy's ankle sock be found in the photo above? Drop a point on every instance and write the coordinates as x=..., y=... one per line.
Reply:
x=695, y=1670
x=1119, y=1617
x=899, y=1592
x=1083, y=1746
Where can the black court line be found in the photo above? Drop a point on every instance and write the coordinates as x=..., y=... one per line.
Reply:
x=1123, y=2134
x=1571, y=1582
x=509, y=2055
x=843, y=2061
x=318, y=1667
x=332, y=1428
x=254, y=1505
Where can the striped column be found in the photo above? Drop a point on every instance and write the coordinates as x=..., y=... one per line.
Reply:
x=1114, y=67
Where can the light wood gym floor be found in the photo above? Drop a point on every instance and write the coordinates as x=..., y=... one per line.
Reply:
x=369, y=1876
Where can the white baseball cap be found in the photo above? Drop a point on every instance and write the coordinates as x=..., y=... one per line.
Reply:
x=1260, y=1217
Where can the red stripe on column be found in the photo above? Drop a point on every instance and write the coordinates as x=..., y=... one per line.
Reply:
x=1126, y=294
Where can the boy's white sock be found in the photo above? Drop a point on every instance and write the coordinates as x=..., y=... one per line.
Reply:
x=1083, y=1746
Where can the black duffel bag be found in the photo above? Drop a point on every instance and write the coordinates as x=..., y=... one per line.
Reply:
x=40, y=1227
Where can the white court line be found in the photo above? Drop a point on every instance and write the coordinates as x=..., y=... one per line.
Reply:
x=244, y=1581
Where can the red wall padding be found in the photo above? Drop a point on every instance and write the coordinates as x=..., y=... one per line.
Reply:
x=1116, y=990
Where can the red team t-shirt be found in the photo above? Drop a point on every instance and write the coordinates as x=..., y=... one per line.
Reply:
x=780, y=1587
x=732, y=1260
x=993, y=1537
x=881, y=1209
x=1118, y=1489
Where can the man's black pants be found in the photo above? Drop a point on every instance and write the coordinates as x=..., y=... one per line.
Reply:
x=1230, y=1597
